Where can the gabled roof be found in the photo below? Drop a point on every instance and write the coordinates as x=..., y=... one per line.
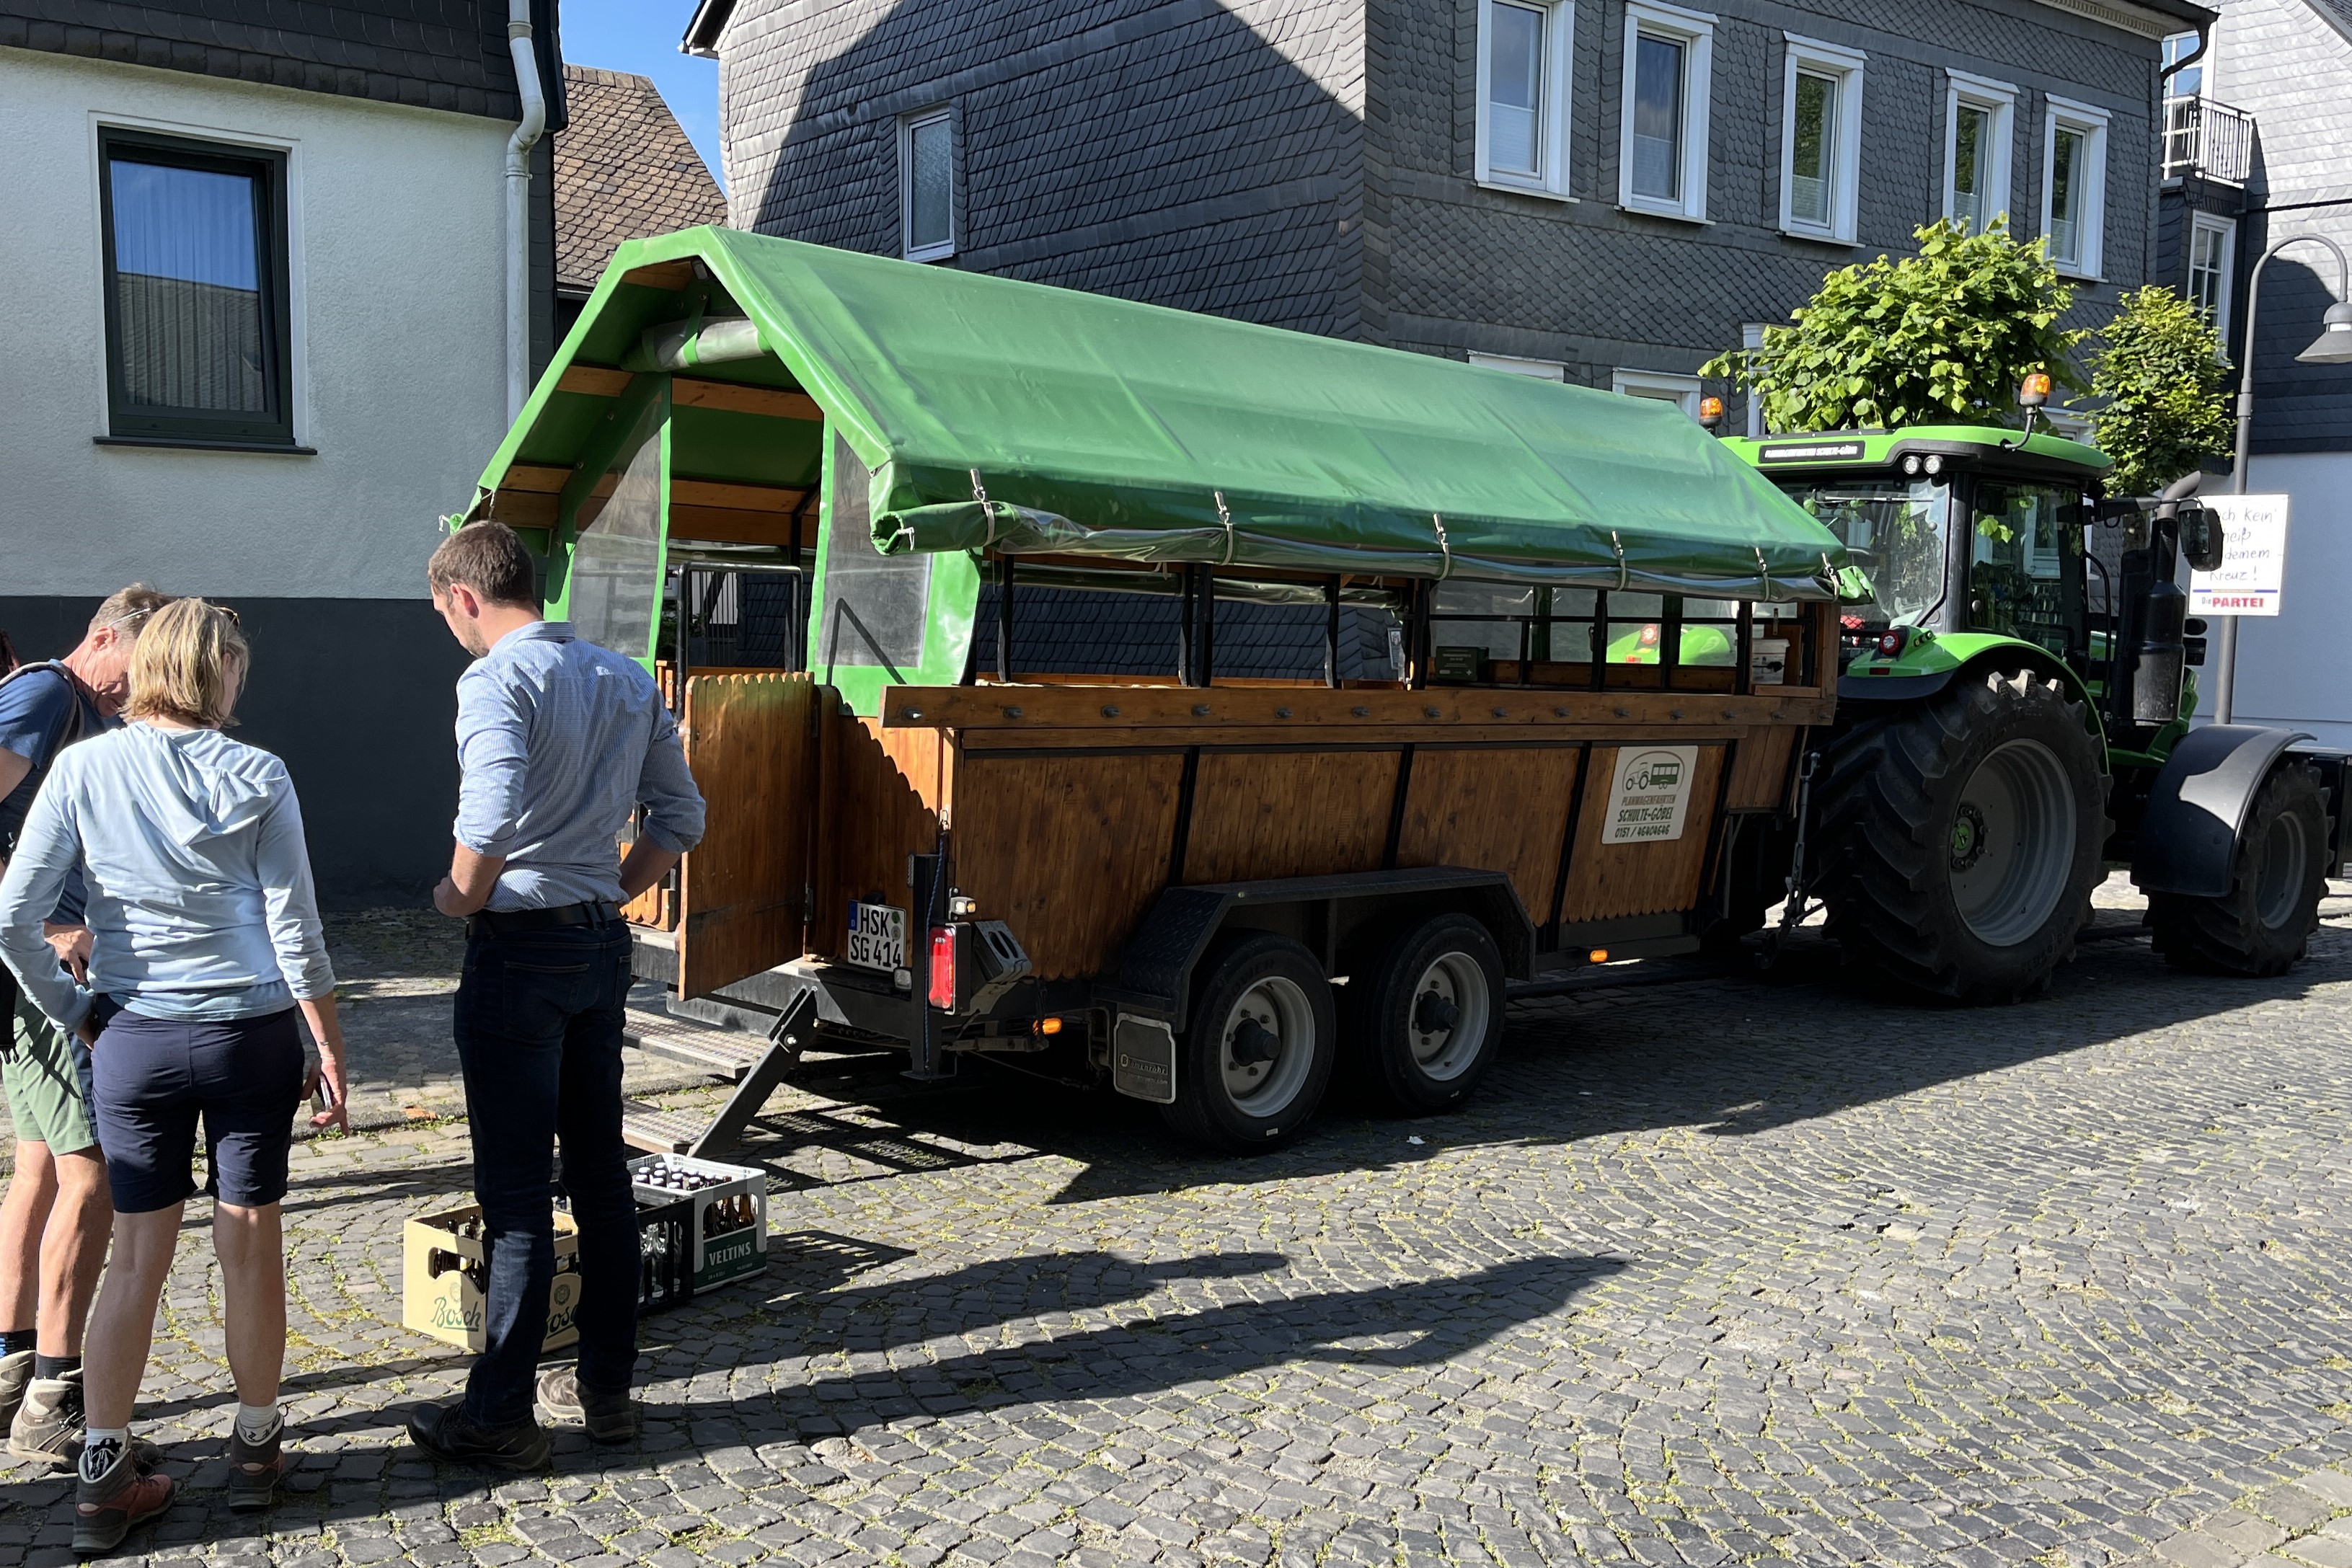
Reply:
x=624, y=170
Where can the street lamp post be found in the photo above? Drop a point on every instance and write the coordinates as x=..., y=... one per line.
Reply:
x=2332, y=346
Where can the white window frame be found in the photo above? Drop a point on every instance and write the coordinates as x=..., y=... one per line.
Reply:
x=1998, y=100
x=1552, y=127
x=2210, y=222
x=1812, y=57
x=2091, y=122
x=1659, y=386
x=1512, y=364
x=1696, y=31
x=907, y=124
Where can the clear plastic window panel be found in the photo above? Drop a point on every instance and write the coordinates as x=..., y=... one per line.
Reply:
x=874, y=606
x=615, y=572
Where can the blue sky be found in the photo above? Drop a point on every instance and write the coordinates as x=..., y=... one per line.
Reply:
x=641, y=36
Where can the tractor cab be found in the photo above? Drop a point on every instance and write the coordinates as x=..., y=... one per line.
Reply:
x=1952, y=529
x=1966, y=536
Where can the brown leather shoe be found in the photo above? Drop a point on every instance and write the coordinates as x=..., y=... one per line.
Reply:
x=118, y=1502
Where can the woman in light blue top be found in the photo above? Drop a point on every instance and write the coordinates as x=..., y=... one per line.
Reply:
x=206, y=945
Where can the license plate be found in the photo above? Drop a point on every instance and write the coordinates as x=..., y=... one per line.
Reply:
x=877, y=936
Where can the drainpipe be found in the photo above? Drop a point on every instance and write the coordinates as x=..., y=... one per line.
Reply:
x=526, y=135
x=2204, y=40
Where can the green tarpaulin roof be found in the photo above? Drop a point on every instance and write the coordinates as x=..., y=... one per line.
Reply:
x=1099, y=426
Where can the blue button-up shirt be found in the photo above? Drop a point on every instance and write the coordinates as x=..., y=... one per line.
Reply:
x=557, y=742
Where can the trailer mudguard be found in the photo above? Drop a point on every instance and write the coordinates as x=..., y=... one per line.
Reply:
x=1154, y=973
x=2188, y=837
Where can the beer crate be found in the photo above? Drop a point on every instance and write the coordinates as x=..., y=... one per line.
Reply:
x=442, y=1278
x=725, y=1224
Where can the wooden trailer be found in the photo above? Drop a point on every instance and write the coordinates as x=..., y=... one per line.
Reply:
x=815, y=491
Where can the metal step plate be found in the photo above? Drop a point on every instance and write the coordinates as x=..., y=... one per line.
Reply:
x=723, y=1052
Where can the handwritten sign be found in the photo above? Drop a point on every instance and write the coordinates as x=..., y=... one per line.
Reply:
x=2252, y=572
x=1651, y=794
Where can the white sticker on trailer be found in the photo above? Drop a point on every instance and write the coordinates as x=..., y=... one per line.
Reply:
x=1650, y=795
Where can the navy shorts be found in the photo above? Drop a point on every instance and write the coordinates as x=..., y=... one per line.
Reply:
x=156, y=1077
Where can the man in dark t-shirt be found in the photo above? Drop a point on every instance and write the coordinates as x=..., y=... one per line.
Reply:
x=55, y=1220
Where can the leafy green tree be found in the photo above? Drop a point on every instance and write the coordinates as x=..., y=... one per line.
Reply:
x=2165, y=386
x=1942, y=337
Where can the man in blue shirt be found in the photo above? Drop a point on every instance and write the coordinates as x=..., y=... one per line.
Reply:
x=559, y=741
x=55, y=1221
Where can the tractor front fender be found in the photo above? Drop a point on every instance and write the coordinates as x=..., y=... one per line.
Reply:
x=2188, y=837
x=1930, y=667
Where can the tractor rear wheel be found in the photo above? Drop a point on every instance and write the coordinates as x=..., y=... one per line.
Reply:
x=2262, y=923
x=1962, y=836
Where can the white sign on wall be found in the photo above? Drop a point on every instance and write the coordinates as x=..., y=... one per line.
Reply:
x=1650, y=795
x=2253, y=573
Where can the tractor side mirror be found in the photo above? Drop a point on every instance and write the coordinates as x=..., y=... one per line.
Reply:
x=2201, y=536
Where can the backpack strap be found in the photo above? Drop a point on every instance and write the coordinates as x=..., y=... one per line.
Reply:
x=76, y=720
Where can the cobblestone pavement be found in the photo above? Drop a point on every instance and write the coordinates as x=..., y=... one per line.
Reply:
x=1710, y=1272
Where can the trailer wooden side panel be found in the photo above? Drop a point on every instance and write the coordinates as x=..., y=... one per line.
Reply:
x=1498, y=809
x=1759, y=769
x=1289, y=813
x=1070, y=849
x=884, y=790
x=747, y=742
x=1607, y=881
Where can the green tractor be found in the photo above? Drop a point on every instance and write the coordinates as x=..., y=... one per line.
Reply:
x=2013, y=719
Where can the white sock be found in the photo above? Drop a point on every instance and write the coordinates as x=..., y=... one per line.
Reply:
x=101, y=1447
x=257, y=1423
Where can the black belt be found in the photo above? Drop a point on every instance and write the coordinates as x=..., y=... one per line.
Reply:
x=511, y=922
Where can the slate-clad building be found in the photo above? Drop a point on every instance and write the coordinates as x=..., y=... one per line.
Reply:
x=1608, y=191
x=255, y=321
x=2259, y=125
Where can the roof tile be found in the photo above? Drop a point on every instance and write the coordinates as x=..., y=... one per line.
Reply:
x=624, y=170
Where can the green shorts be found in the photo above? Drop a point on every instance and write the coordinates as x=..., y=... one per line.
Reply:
x=48, y=1077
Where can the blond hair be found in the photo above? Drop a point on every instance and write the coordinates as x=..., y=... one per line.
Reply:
x=188, y=665
x=124, y=611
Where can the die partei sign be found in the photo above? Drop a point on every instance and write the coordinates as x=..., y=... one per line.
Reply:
x=2252, y=572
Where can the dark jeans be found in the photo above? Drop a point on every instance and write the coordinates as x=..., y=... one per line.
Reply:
x=539, y=1034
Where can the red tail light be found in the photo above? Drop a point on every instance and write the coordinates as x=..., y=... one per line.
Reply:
x=1892, y=641
x=944, y=974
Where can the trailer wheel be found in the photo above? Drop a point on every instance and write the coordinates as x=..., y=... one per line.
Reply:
x=1257, y=1056
x=1963, y=837
x=1425, y=1023
x=2262, y=924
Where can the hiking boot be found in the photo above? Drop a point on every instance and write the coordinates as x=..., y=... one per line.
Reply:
x=609, y=1417
x=49, y=1424
x=16, y=1371
x=118, y=1502
x=448, y=1434
x=254, y=1470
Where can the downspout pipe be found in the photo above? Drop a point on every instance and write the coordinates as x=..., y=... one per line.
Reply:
x=2204, y=42
x=526, y=136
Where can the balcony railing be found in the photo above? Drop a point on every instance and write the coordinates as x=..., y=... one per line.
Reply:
x=2212, y=139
